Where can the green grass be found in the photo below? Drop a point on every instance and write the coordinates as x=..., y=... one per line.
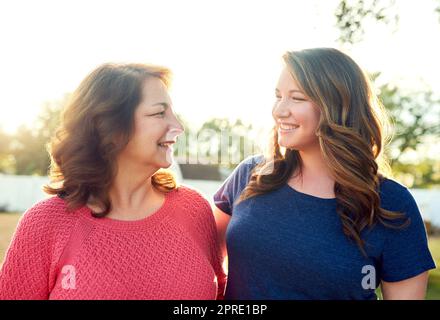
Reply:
x=433, y=292
x=8, y=222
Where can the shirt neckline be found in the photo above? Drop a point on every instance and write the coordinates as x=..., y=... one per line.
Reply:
x=143, y=223
x=307, y=196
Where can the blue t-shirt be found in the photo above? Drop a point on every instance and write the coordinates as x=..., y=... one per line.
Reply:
x=290, y=245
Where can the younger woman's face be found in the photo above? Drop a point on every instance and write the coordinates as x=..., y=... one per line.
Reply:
x=155, y=128
x=295, y=115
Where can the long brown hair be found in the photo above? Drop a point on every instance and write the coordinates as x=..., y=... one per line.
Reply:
x=351, y=137
x=97, y=123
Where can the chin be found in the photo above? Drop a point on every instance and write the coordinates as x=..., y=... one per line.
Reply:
x=158, y=164
x=298, y=144
x=166, y=165
x=287, y=144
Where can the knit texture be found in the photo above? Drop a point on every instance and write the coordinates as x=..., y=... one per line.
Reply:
x=61, y=254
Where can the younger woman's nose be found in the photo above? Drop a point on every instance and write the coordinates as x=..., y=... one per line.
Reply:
x=280, y=110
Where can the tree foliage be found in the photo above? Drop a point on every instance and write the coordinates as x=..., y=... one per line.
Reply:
x=27, y=147
x=351, y=17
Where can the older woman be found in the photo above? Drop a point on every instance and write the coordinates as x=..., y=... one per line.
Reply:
x=118, y=227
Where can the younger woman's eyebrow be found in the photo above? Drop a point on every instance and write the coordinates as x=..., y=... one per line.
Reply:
x=290, y=91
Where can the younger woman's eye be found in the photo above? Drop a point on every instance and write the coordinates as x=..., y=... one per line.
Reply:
x=298, y=99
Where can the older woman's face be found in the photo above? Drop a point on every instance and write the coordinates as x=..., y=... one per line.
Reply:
x=155, y=128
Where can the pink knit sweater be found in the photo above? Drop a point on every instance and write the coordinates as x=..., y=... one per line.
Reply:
x=172, y=254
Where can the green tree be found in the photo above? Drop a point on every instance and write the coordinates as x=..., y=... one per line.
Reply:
x=351, y=17
x=232, y=141
x=28, y=146
x=437, y=9
x=6, y=161
x=218, y=140
x=424, y=174
x=415, y=115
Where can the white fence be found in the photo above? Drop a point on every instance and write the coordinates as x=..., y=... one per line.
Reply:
x=17, y=193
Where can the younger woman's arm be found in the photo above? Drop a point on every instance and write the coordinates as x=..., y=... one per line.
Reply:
x=222, y=221
x=409, y=289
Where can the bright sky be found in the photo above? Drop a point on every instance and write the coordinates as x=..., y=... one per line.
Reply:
x=226, y=55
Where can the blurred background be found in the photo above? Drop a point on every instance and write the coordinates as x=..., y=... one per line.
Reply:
x=226, y=58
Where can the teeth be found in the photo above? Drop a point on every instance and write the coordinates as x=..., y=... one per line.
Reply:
x=285, y=126
x=165, y=144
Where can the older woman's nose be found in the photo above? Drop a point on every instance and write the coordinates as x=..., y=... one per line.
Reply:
x=176, y=125
x=175, y=129
x=172, y=134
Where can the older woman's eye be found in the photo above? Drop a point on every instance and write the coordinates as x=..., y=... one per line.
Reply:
x=161, y=114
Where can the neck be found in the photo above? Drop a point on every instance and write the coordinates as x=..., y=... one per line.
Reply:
x=132, y=186
x=313, y=162
x=315, y=176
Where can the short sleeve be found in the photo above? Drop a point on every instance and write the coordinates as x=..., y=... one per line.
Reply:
x=406, y=253
x=231, y=189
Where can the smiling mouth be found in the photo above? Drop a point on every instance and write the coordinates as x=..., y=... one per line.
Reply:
x=166, y=144
x=287, y=127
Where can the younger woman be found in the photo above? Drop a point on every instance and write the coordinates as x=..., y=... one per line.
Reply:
x=316, y=219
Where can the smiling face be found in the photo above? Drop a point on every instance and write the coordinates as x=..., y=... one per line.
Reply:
x=295, y=115
x=155, y=128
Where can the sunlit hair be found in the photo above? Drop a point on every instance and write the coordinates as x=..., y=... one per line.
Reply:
x=96, y=125
x=351, y=137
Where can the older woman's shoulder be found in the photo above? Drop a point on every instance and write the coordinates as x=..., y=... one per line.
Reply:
x=188, y=194
x=48, y=213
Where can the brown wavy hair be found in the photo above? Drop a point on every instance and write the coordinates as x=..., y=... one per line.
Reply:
x=97, y=123
x=351, y=134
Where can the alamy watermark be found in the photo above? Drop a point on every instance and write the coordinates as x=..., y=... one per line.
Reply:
x=221, y=147
x=68, y=281
x=369, y=280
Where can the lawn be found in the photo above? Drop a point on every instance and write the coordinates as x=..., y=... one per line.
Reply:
x=8, y=222
x=434, y=275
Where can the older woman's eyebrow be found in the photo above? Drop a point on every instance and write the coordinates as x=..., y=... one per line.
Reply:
x=166, y=105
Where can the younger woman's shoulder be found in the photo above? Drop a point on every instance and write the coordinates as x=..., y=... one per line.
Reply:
x=395, y=195
x=391, y=187
x=243, y=171
x=252, y=161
